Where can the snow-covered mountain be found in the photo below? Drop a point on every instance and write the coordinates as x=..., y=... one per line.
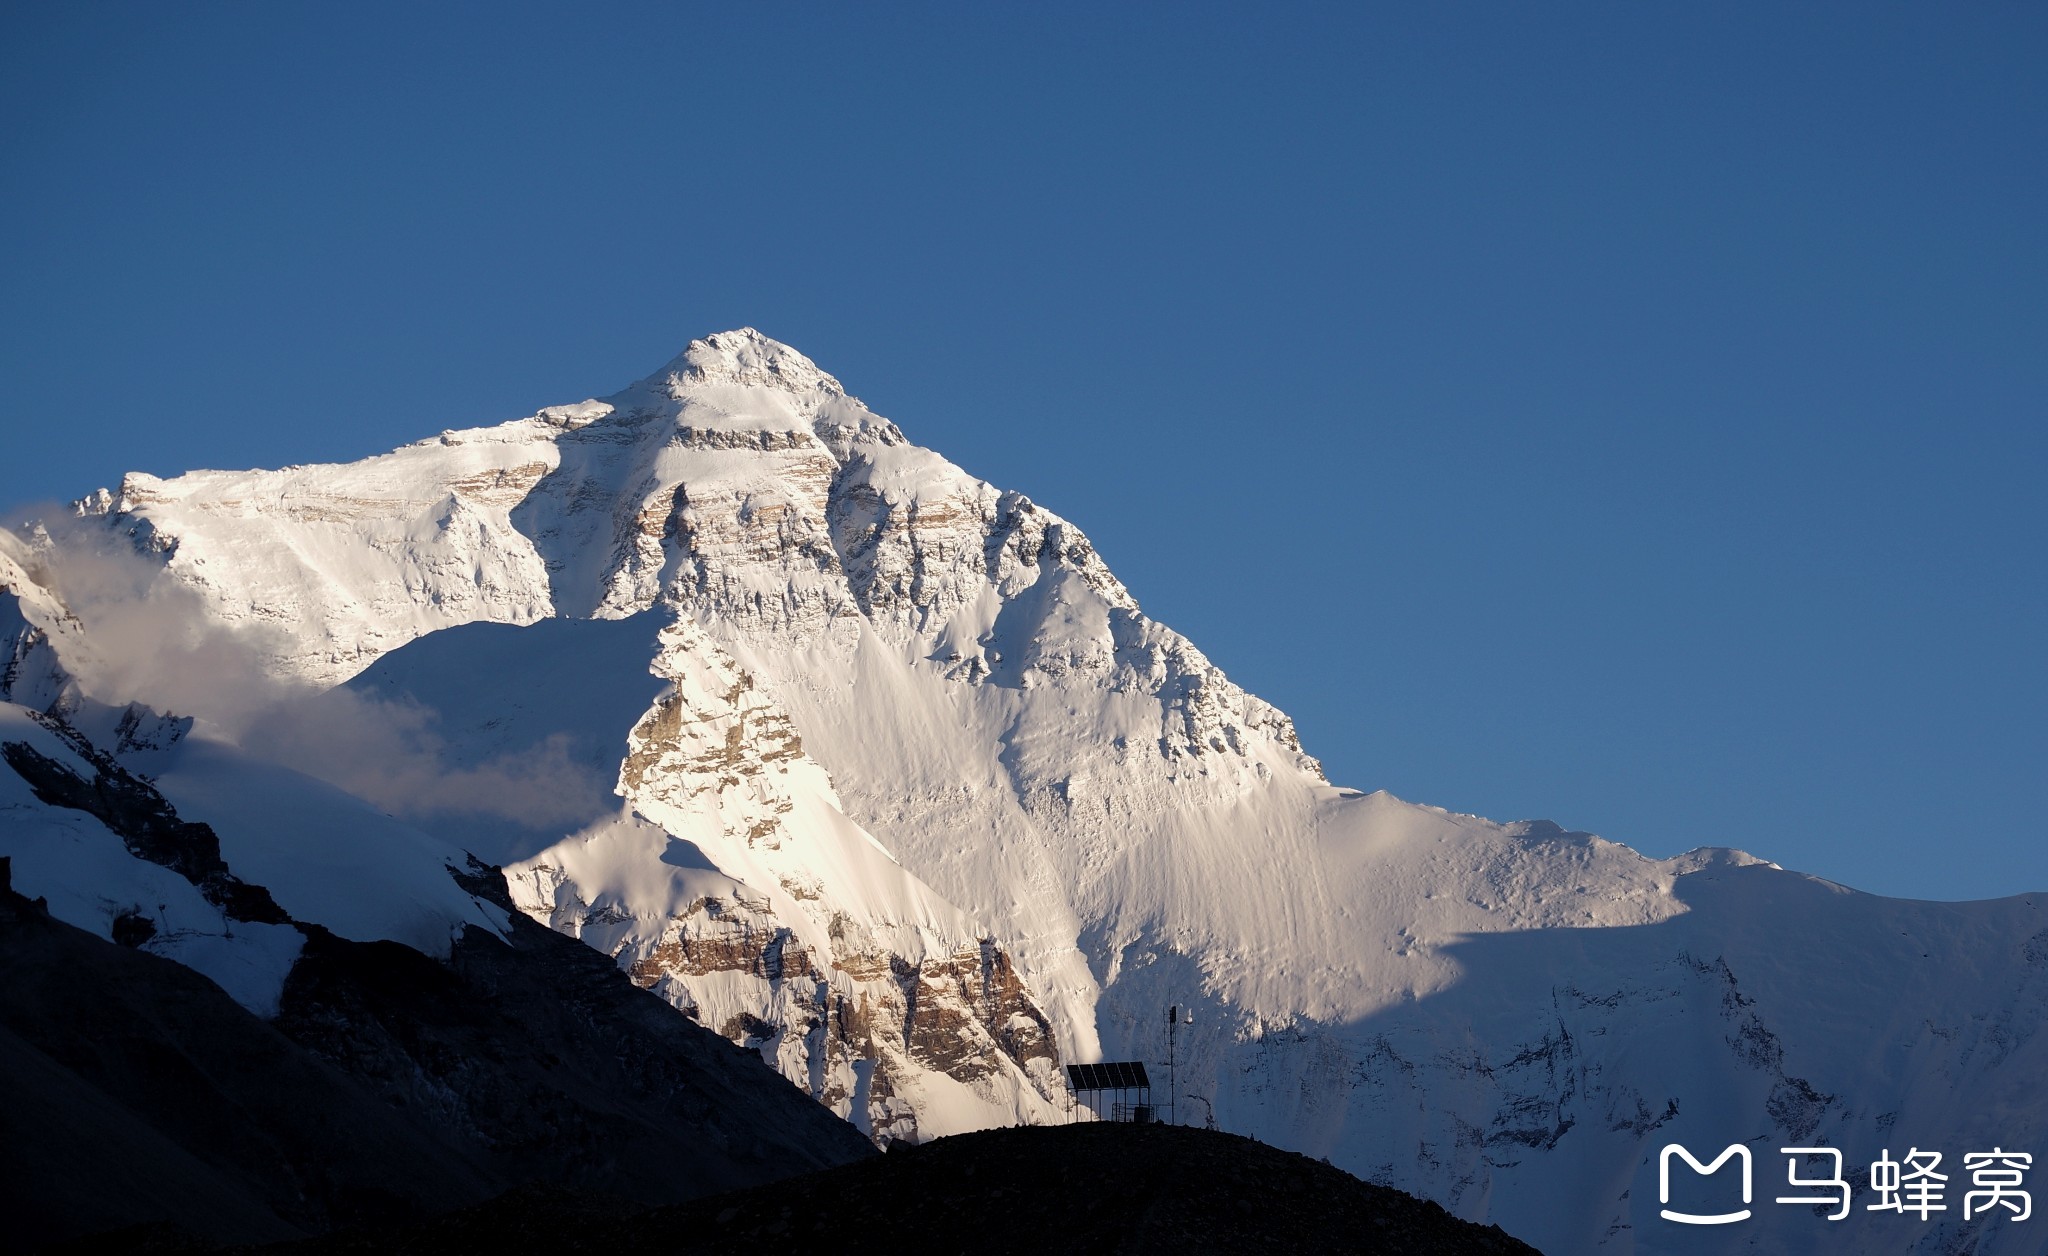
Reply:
x=878, y=768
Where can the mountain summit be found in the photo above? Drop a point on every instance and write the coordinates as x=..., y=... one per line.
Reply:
x=878, y=770
x=745, y=357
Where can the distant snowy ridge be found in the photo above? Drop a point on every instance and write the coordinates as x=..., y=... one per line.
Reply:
x=879, y=769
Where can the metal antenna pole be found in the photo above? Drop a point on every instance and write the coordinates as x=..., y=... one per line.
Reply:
x=1172, y=1090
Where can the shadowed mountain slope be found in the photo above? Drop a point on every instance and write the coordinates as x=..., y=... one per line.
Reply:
x=136, y=1092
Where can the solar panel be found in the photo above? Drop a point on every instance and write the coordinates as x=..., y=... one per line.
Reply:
x=1115, y=1075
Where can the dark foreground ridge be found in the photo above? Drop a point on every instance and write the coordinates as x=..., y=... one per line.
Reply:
x=142, y=1109
x=1093, y=1188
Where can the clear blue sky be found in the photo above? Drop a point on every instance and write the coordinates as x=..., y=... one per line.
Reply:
x=1631, y=415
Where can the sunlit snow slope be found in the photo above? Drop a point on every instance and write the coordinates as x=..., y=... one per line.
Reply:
x=880, y=769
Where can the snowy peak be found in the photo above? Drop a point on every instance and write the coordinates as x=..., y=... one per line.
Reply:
x=803, y=645
x=744, y=357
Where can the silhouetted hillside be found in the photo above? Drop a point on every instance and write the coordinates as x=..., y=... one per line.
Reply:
x=1094, y=1188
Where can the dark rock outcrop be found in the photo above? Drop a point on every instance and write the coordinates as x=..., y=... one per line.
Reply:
x=146, y=823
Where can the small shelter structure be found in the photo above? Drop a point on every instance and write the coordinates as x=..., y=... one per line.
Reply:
x=1115, y=1091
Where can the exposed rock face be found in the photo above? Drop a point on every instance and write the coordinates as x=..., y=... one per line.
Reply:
x=856, y=1025
x=974, y=990
x=798, y=947
x=712, y=742
x=138, y=814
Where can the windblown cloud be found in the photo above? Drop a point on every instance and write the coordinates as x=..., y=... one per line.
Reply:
x=146, y=636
